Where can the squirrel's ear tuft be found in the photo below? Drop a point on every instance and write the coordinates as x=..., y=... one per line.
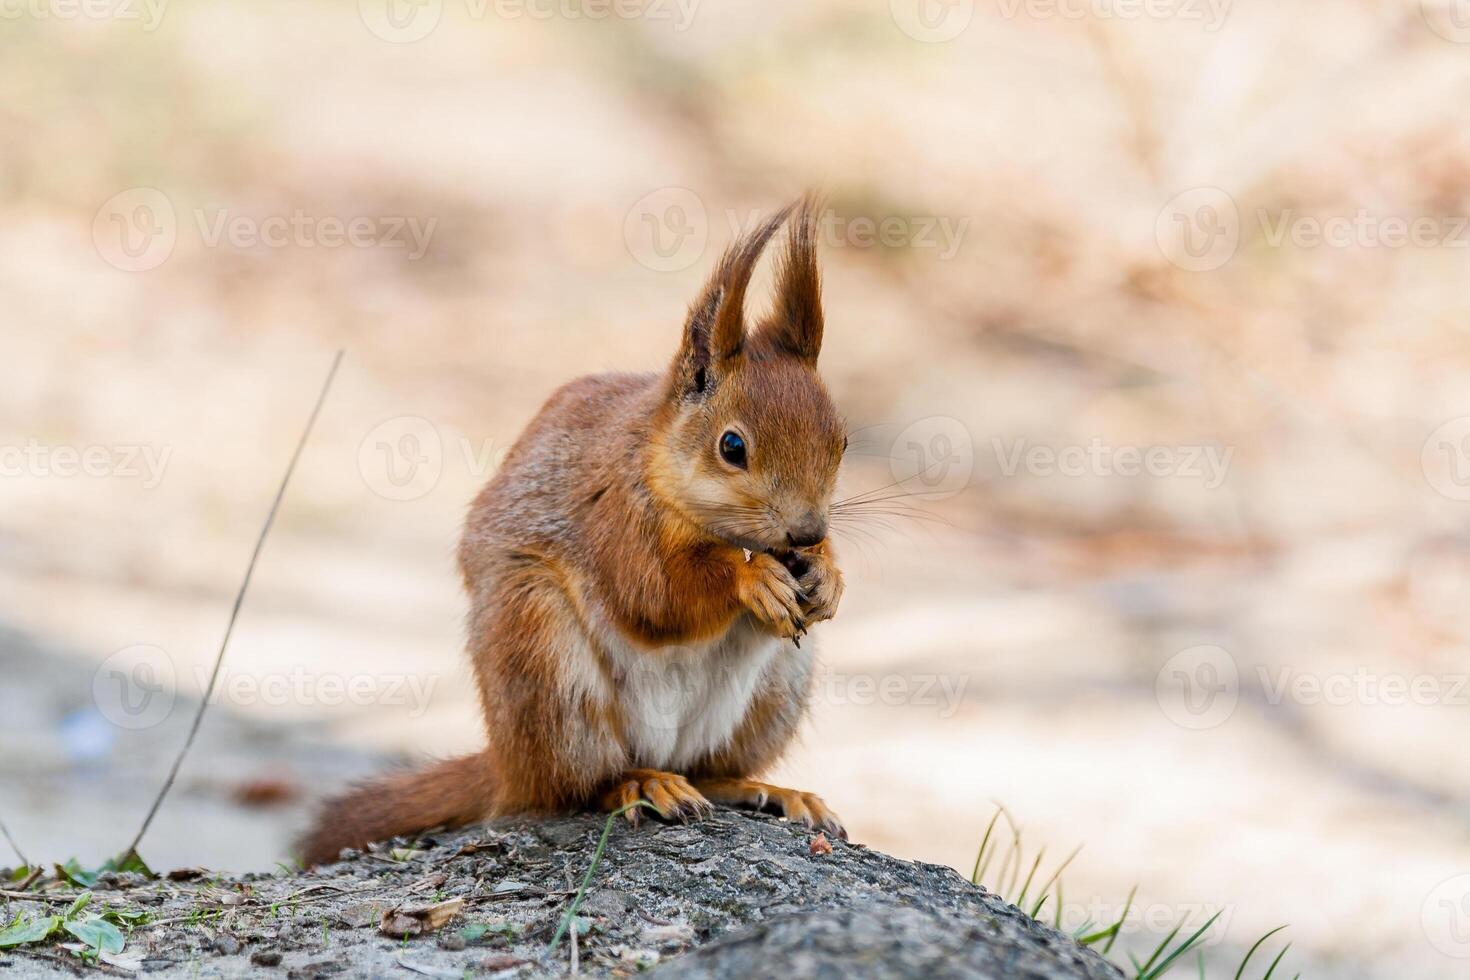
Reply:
x=795, y=326
x=714, y=334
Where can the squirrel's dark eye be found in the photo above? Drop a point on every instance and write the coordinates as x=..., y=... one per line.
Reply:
x=732, y=449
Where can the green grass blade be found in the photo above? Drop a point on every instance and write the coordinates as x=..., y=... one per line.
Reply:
x=1020, y=859
x=1276, y=962
x=984, y=843
x=1020, y=902
x=1057, y=874
x=1240, y=971
x=571, y=913
x=1143, y=968
x=1159, y=970
x=1127, y=907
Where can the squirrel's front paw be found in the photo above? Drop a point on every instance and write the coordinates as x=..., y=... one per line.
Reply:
x=769, y=591
x=821, y=586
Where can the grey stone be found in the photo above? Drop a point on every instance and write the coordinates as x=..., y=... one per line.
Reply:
x=731, y=896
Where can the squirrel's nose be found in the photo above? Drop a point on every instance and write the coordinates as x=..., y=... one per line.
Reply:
x=810, y=530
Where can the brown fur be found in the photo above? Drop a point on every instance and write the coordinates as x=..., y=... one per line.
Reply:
x=615, y=521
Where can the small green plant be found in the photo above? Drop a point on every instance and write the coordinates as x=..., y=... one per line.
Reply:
x=572, y=909
x=1005, y=842
x=81, y=877
x=97, y=934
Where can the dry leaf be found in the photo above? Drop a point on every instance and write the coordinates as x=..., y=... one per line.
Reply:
x=821, y=845
x=430, y=882
x=500, y=961
x=265, y=792
x=415, y=920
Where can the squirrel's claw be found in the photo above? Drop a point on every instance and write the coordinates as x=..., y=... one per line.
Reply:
x=767, y=589
x=670, y=795
x=798, y=807
x=821, y=588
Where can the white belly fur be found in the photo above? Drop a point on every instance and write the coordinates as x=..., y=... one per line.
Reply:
x=680, y=703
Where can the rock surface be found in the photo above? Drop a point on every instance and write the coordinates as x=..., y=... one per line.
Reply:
x=731, y=896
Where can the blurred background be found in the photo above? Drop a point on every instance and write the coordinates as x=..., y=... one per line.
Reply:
x=1159, y=309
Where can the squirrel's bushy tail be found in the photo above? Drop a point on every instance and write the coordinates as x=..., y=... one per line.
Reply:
x=449, y=793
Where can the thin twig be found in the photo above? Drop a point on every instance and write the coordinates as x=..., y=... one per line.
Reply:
x=572, y=938
x=13, y=845
x=36, y=896
x=75, y=963
x=219, y=658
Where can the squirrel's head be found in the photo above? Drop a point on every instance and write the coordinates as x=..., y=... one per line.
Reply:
x=749, y=442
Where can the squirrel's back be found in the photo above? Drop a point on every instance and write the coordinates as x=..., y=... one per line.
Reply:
x=584, y=440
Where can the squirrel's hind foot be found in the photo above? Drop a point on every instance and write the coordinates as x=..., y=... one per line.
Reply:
x=794, y=805
x=669, y=793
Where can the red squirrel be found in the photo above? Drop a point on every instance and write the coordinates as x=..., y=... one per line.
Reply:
x=635, y=622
